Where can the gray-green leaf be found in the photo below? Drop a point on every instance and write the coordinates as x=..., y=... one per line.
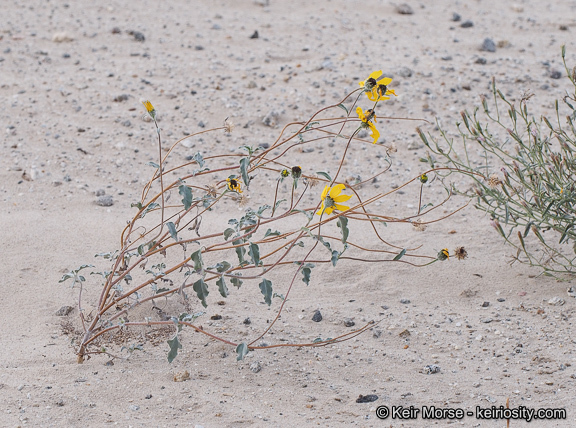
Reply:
x=244, y=165
x=186, y=194
x=174, y=346
x=241, y=350
x=222, y=288
x=343, y=225
x=266, y=289
x=254, y=253
x=201, y=290
x=196, y=257
x=172, y=229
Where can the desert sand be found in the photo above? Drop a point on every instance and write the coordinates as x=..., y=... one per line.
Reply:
x=459, y=334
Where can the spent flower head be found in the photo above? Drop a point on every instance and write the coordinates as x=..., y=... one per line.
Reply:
x=331, y=199
x=443, y=254
x=367, y=117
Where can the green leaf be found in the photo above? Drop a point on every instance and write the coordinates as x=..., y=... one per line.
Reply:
x=228, y=233
x=221, y=283
x=223, y=266
x=201, y=290
x=196, y=257
x=308, y=214
x=186, y=194
x=236, y=281
x=343, y=107
x=266, y=289
x=277, y=204
x=400, y=255
x=325, y=175
x=172, y=229
x=254, y=253
x=343, y=225
x=527, y=230
x=244, y=165
x=199, y=159
x=306, y=271
x=335, y=257
x=174, y=346
x=154, y=164
x=241, y=350
x=149, y=208
x=270, y=233
x=240, y=251
x=136, y=204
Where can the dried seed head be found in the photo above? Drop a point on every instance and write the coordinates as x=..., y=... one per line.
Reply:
x=460, y=253
x=494, y=181
x=228, y=126
x=419, y=225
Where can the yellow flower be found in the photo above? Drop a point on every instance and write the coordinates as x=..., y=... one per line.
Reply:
x=366, y=117
x=443, y=254
x=331, y=199
x=423, y=178
x=150, y=109
x=376, y=90
x=234, y=185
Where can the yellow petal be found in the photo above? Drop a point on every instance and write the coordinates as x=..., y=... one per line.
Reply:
x=375, y=133
x=336, y=190
x=385, y=81
x=319, y=212
x=324, y=193
x=360, y=113
x=341, y=198
x=375, y=74
x=362, y=83
x=329, y=210
x=391, y=91
x=372, y=95
x=341, y=207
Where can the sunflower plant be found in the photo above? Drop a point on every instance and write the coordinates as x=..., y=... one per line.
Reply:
x=186, y=251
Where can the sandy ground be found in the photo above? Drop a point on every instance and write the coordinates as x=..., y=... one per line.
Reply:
x=71, y=79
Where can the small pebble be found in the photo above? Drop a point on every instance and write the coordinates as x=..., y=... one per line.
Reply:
x=485, y=304
x=467, y=24
x=405, y=301
x=105, y=201
x=247, y=321
x=555, y=74
x=366, y=398
x=456, y=17
x=404, y=9
x=256, y=367
x=431, y=369
x=317, y=317
x=488, y=45
x=64, y=311
x=556, y=301
x=481, y=61
x=349, y=323
x=254, y=35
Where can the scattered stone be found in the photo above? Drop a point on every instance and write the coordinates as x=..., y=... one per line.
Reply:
x=138, y=36
x=271, y=119
x=100, y=192
x=467, y=24
x=255, y=35
x=349, y=323
x=488, y=45
x=60, y=403
x=201, y=124
x=415, y=145
x=62, y=37
x=127, y=123
x=134, y=407
x=485, y=304
x=376, y=333
x=431, y=369
x=456, y=17
x=405, y=72
x=182, y=376
x=105, y=201
x=556, y=301
x=116, y=30
x=480, y=60
x=64, y=311
x=264, y=145
x=486, y=320
x=216, y=317
x=571, y=291
x=109, y=363
x=262, y=2
x=501, y=299
x=405, y=301
x=256, y=367
x=563, y=28
x=120, y=98
x=366, y=398
x=555, y=74
x=404, y=334
x=317, y=317
x=148, y=397
x=404, y=9
x=446, y=58
x=247, y=321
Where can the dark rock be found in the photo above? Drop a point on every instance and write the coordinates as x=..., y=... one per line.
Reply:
x=488, y=45
x=405, y=72
x=456, y=17
x=480, y=61
x=405, y=301
x=254, y=35
x=555, y=74
x=431, y=369
x=366, y=398
x=467, y=24
x=216, y=317
x=116, y=30
x=120, y=98
x=485, y=304
x=247, y=321
x=349, y=323
x=317, y=317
